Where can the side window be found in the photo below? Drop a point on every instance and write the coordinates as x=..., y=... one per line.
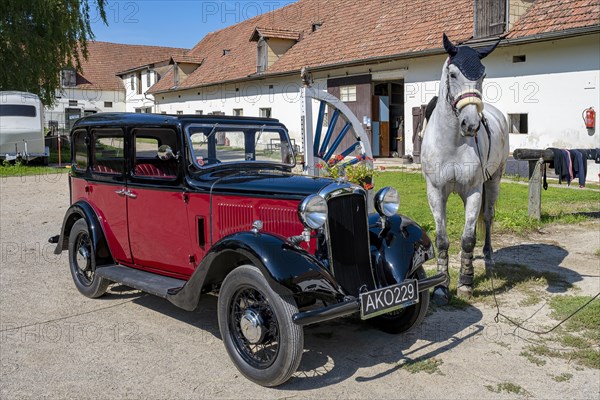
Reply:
x=156, y=153
x=80, y=150
x=108, y=151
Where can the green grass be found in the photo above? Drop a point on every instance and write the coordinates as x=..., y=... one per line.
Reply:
x=29, y=170
x=579, y=336
x=559, y=205
x=562, y=377
x=529, y=282
x=507, y=387
x=430, y=366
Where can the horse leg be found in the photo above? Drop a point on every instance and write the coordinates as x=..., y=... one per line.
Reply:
x=472, y=208
x=492, y=191
x=437, y=202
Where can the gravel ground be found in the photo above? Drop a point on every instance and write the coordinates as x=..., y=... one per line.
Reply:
x=57, y=343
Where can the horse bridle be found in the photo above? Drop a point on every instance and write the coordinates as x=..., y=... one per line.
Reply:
x=463, y=99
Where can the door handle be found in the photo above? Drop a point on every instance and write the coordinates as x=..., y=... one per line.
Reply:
x=125, y=192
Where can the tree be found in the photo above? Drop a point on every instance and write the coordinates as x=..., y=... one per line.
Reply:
x=38, y=38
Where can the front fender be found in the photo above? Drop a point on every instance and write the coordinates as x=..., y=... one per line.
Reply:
x=398, y=248
x=288, y=269
x=83, y=209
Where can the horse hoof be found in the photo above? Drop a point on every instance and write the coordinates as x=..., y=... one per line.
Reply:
x=441, y=296
x=464, y=292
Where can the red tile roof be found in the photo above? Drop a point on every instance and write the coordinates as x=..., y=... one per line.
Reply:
x=186, y=59
x=546, y=16
x=105, y=60
x=352, y=31
x=274, y=33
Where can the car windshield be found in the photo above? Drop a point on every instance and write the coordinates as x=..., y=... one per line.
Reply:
x=214, y=144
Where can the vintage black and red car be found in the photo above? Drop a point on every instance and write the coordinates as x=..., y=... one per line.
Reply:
x=180, y=206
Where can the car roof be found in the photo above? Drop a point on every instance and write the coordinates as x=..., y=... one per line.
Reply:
x=120, y=119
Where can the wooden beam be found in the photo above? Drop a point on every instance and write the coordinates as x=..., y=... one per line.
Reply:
x=533, y=154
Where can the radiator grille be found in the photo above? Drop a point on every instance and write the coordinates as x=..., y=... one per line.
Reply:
x=348, y=237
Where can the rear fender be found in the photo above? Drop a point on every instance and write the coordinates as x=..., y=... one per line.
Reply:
x=83, y=209
x=289, y=270
x=398, y=248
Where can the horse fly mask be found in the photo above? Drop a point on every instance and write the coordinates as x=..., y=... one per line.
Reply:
x=468, y=61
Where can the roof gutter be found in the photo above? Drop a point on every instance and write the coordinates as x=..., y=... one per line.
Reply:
x=403, y=56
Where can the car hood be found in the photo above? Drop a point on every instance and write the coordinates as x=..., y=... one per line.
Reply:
x=269, y=183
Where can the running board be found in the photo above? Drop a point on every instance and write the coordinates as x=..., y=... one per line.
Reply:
x=148, y=282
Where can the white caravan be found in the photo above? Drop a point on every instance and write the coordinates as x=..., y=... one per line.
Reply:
x=22, y=126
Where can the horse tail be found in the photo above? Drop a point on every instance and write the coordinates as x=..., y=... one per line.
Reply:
x=480, y=230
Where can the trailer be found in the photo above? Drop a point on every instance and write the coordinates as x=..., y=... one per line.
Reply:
x=22, y=127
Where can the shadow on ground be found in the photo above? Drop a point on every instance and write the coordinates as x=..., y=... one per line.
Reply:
x=335, y=350
x=544, y=259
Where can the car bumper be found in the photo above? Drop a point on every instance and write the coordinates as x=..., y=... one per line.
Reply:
x=353, y=306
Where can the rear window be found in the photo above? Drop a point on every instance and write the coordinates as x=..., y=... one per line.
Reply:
x=80, y=159
x=17, y=110
x=108, y=151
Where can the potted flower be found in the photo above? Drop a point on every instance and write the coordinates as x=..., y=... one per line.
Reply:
x=360, y=173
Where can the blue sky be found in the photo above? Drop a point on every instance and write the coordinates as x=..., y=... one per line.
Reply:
x=174, y=23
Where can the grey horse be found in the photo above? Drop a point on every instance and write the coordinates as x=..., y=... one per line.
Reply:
x=464, y=151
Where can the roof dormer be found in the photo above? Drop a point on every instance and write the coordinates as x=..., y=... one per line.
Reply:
x=183, y=66
x=272, y=43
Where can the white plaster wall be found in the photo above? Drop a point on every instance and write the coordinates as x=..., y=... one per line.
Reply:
x=135, y=100
x=283, y=99
x=87, y=99
x=557, y=82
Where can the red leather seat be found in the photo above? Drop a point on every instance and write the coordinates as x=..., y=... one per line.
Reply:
x=157, y=171
x=106, y=168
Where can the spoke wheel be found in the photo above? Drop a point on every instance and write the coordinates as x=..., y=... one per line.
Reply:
x=257, y=329
x=82, y=262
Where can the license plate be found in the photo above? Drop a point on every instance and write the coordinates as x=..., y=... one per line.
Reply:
x=391, y=298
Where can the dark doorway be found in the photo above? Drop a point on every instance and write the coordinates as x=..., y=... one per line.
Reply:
x=388, y=111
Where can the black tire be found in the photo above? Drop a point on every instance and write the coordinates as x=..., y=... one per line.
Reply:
x=405, y=319
x=82, y=262
x=274, y=351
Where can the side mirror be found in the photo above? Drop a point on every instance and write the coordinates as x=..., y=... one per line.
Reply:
x=165, y=152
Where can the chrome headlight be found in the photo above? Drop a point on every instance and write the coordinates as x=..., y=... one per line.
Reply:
x=387, y=202
x=313, y=211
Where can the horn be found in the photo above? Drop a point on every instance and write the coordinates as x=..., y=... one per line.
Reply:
x=450, y=48
x=483, y=53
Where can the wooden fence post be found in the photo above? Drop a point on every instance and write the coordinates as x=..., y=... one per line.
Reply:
x=535, y=188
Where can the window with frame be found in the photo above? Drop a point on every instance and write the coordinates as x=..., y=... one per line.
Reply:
x=132, y=82
x=265, y=112
x=108, y=104
x=108, y=151
x=347, y=93
x=69, y=77
x=80, y=151
x=238, y=112
x=149, y=78
x=138, y=82
x=518, y=123
x=150, y=158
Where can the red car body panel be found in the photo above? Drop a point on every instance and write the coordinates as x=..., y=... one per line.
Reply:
x=112, y=213
x=159, y=234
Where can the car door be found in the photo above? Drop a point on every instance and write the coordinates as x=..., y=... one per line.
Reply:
x=105, y=186
x=157, y=204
